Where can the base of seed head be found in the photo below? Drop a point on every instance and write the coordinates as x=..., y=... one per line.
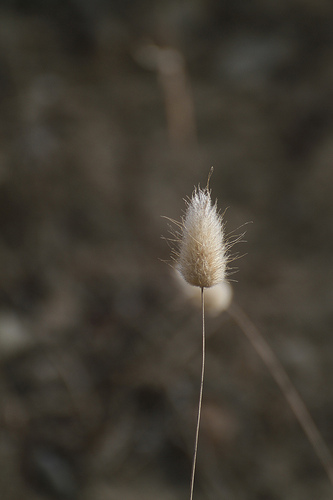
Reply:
x=217, y=298
x=201, y=258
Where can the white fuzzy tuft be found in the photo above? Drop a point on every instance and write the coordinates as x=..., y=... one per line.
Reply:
x=202, y=253
x=217, y=298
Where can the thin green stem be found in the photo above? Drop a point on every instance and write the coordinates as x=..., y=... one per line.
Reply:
x=200, y=395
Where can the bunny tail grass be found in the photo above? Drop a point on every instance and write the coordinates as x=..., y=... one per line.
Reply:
x=201, y=259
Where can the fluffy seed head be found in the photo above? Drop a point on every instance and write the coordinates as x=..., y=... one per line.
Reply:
x=201, y=258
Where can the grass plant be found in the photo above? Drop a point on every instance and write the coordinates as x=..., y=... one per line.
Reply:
x=201, y=256
x=201, y=259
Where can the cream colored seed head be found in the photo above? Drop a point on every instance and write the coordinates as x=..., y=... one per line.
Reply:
x=202, y=253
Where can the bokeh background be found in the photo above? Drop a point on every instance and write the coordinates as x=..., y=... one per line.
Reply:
x=110, y=113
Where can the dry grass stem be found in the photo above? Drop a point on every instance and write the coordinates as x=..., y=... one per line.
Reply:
x=170, y=66
x=281, y=377
x=200, y=395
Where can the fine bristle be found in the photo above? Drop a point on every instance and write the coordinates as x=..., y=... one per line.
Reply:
x=202, y=253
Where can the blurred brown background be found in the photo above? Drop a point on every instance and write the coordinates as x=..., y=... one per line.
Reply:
x=110, y=113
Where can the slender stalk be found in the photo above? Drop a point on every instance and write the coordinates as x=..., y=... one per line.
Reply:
x=282, y=379
x=200, y=395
